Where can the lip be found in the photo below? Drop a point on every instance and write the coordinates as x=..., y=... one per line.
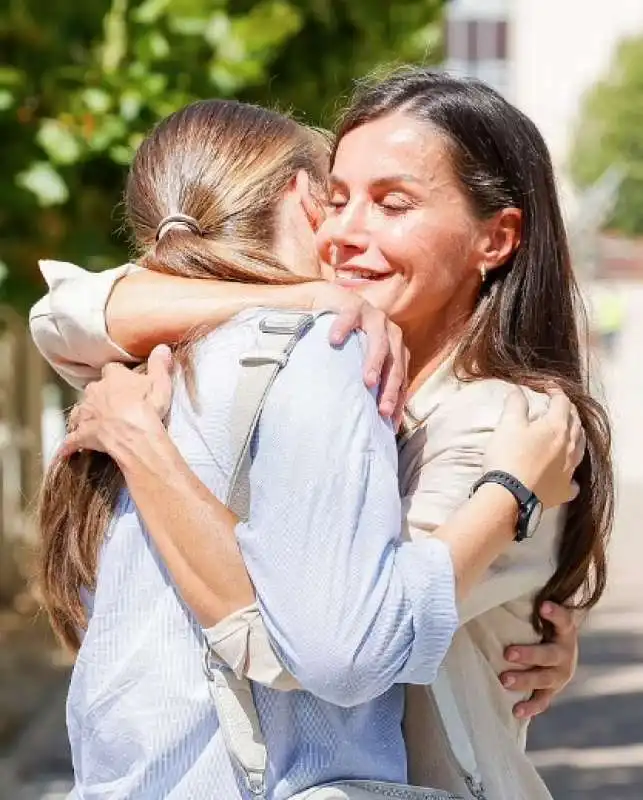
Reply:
x=354, y=275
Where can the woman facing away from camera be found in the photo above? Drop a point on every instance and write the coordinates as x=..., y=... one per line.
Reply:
x=445, y=216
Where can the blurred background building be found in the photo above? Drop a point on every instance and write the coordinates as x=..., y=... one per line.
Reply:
x=79, y=86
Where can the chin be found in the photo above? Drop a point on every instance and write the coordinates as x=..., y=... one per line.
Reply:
x=383, y=297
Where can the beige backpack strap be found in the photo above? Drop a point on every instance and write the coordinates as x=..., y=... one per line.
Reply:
x=277, y=336
x=456, y=734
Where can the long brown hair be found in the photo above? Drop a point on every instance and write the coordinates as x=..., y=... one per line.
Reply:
x=525, y=328
x=226, y=164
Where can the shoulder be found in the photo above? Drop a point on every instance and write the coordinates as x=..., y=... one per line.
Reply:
x=467, y=415
x=482, y=401
x=323, y=380
x=318, y=378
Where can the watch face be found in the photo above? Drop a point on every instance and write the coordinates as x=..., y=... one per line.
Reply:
x=535, y=512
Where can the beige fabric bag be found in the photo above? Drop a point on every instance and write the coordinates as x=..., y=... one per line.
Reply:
x=231, y=691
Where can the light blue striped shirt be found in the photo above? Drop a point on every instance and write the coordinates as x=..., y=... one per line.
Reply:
x=351, y=610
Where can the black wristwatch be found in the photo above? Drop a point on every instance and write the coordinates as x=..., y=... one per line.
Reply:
x=530, y=509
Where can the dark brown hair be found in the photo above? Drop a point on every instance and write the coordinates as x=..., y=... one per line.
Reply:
x=525, y=327
x=226, y=164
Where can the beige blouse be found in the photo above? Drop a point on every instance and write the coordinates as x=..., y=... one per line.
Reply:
x=448, y=424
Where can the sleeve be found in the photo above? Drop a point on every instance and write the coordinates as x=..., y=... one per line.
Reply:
x=452, y=461
x=68, y=323
x=349, y=608
x=241, y=642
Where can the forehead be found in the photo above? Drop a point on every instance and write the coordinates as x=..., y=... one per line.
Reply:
x=393, y=145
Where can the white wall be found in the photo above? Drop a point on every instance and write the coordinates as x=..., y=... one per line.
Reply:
x=559, y=48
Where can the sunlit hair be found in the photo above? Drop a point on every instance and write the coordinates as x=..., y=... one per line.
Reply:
x=225, y=165
x=525, y=327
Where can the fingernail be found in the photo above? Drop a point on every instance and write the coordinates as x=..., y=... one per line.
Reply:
x=387, y=408
x=547, y=609
x=513, y=655
x=372, y=376
x=520, y=712
x=508, y=681
x=335, y=338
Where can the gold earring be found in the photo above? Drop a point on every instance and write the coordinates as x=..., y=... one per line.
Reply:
x=483, y=272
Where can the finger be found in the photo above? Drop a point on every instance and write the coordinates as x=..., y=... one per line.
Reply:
x=160, y=362
x=576, y=447
x=398, y=414
x=393, y=373
x=73, y=443
x=378, y=346
x=344, y=324
x=387, y=395
x=534, y=655
x=560, y=408
x=530, y=680
x=74, y=418
x=159, y=373
x=114, y=367
x=537, y=703
x=516, y=409
x=574, y=491
x=579, y=447
x=560, y=617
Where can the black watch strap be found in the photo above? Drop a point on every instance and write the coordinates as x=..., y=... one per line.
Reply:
x=525, y=498
x=517, y=489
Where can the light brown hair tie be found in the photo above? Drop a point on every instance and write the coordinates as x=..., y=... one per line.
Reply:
x=175, y=221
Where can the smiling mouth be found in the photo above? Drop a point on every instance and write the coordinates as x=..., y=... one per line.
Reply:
x=358, y=275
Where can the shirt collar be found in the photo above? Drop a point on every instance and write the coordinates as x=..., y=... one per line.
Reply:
x=428, y=397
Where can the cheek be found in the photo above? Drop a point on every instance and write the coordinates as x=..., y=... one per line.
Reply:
x=323, y=238
x=435, y=255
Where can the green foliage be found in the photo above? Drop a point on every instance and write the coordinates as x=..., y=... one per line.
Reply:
x=610, y=133
x=81, y=83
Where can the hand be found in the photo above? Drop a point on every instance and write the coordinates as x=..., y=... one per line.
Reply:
x=542, y=453
x=546, y=668
x=386, y=356
x=120, y=403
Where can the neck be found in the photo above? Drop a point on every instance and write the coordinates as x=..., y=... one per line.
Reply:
x=430, y=342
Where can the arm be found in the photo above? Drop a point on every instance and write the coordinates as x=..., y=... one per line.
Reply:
x=298, y=484
x=367, y=598
x=453, y=459
x=395, y=612
x=68, y=324
x=89, y=319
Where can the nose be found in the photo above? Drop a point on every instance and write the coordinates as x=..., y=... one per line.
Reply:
x=344, y=233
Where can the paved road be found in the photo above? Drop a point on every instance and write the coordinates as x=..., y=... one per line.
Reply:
x=590, y=746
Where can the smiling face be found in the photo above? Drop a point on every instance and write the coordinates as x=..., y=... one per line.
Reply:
x=400, y=229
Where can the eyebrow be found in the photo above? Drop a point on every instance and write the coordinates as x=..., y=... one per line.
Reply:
x=383, y=182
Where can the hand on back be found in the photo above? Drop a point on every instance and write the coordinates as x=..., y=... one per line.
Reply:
x=542, y=453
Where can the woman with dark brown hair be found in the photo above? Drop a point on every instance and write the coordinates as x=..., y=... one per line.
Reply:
x=451, y=224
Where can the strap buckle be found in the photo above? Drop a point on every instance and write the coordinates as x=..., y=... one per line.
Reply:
x=260, y=357
x=256, y=784
x=287, y=324
x=210, y=662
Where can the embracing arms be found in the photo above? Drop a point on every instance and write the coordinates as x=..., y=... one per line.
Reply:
x=69, y=326
x=89, y=319
x=324, y=500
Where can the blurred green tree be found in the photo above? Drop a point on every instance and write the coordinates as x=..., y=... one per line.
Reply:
x=81, y=83
x=610, y=134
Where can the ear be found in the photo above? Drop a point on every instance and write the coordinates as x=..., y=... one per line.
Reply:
x=312, y=208
x=501, y=238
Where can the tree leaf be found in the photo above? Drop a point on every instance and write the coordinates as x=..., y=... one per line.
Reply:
x=6, y=99
x=42, y=180
x=58, y=142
